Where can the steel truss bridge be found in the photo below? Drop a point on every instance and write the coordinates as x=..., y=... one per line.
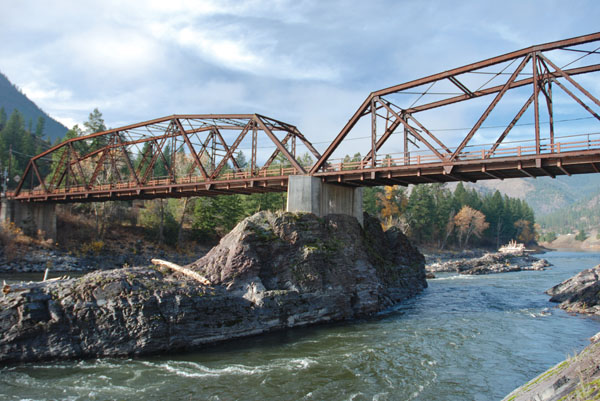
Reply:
x=195, y=155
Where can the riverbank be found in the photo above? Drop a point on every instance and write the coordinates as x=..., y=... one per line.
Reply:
x=33, y=257
x=568, y=241
x=273, y=271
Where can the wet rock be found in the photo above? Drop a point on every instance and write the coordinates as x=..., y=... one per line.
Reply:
x=580, y=293
x=272, y=271
x=490, y=263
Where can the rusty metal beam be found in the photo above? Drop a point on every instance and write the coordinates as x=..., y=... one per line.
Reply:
x=536, y=106
x=496, y=89
x=566, y=76
x=230, y=151
x=486, y=172
x=527, y=173
x=414, y=132
x=490, y=62
x=564, y=170
x=281, y=148
x=489, y=109
x=509, y=127
x=191, y=148
x=576, y=98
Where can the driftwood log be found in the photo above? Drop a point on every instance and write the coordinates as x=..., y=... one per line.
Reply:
x=183, y=270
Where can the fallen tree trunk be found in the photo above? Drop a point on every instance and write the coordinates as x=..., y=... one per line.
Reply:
x=183, y=270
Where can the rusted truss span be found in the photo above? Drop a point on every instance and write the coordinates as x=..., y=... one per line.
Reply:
x=530, y=71
x=576, y=155
x=179, y=155
x=184, y=155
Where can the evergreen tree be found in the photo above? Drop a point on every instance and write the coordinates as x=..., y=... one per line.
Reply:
x=418, y=212
x=39, y=128
x=370, y=200
x=2, y=118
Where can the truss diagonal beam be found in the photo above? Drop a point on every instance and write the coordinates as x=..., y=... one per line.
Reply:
x=191, y=148
x=576, y=98
x=271, y=158
x=414, y=132
x=491, y=107
x=566, y=76
x=510, y=127
x=232, y=149
x=278, y=144
x=127, y=158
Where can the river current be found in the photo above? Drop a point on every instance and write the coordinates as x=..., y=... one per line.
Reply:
x=464, y=338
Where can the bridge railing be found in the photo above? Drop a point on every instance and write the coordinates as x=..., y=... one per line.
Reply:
x=272, y=172
x=485, y=151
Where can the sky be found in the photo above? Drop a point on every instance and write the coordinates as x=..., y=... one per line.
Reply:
x=309, y=63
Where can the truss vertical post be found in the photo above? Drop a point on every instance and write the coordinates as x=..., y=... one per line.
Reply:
x=294, y=146
x=536, y=108
x=253, y=161
x=373, y=134
x=551, y=115
x=67, y=168
x=213, y=153
x=406, y=154
x=173, y=157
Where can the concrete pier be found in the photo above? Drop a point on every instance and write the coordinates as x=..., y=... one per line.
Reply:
x=30, y=217
x=309, y=194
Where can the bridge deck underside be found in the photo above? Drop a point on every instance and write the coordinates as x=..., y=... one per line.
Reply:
x=162, y=190
x=546, y=165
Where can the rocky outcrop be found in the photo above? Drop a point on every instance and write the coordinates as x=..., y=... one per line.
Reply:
x=580, y=293
x=577, y=378
x=490, y=263
x=272, y=271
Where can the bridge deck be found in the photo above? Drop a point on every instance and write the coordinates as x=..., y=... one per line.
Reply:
x=581, y=156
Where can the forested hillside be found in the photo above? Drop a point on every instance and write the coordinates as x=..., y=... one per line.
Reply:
x=18, y=143
x=562, y=205
x=11, y=98
x=432, y=214
x=583, y=215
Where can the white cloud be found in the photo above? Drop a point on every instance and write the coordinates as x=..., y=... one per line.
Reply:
x=308, y=62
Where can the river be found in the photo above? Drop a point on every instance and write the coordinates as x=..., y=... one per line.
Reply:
x=464, y=338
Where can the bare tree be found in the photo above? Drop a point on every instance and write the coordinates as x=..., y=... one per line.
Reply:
x=469, y=222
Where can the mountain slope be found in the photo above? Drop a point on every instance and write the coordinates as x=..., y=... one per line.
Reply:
x=582, y=215
x=561, y=204
x=12, y=98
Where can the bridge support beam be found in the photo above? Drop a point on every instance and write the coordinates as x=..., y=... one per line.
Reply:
x=310, y=194
x=30, y=217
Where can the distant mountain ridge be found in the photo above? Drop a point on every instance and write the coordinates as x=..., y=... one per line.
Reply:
x=561, y=204
x=12, y=98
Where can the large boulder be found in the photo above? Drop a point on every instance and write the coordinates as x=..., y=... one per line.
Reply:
x=580, y=293
x=272, y=271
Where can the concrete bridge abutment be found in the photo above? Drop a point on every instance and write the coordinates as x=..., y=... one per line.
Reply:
x=310, y=194
x=32, y=218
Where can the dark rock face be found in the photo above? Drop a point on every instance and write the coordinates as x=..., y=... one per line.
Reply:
x=580, y=293
x=271, y=272
x=490, y=263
